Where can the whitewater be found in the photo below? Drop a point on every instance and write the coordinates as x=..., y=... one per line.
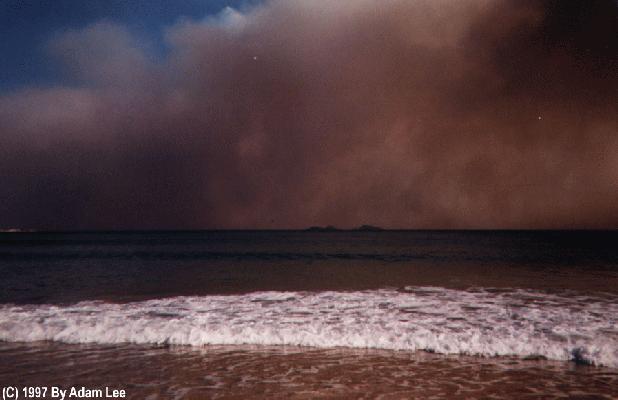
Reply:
x=479, y=321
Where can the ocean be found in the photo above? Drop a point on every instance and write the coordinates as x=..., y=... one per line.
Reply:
x=312, y=314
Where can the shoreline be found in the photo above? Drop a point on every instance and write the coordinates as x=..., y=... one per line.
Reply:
x=295, y=372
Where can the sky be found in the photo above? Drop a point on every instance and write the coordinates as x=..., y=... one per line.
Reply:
x=200, y=114
x=26, y=26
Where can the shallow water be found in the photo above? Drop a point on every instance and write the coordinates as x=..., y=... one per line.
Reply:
x=257, y=372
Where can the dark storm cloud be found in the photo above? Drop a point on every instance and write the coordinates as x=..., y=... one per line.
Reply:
x=478, y=113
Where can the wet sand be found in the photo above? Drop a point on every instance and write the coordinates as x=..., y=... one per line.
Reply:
x=247, y=372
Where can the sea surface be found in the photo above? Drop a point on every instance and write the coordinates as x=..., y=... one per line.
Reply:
x=301, y=314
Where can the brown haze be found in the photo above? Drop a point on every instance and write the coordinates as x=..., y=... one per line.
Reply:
x=400, y=113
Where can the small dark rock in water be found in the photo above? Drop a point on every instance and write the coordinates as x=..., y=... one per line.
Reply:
x=579, y=356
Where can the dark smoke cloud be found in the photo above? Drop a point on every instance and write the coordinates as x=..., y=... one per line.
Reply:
x=423, y=114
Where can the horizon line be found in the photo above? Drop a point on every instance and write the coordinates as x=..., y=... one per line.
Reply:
x=312, y=229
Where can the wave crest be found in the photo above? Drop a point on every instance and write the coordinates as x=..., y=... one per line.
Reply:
x=483, y=322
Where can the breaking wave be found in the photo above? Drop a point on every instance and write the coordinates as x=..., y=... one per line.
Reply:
x=486, y=322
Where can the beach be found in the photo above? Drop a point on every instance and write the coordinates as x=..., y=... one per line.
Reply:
x=239, y=372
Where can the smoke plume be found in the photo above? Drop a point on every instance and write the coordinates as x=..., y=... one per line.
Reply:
x=399, y=113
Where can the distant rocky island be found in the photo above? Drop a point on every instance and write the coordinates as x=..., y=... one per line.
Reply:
x=331, y=228
x=328, y=228
x=369, y=228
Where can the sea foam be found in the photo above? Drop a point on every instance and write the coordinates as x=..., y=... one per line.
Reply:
x=475, y=322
